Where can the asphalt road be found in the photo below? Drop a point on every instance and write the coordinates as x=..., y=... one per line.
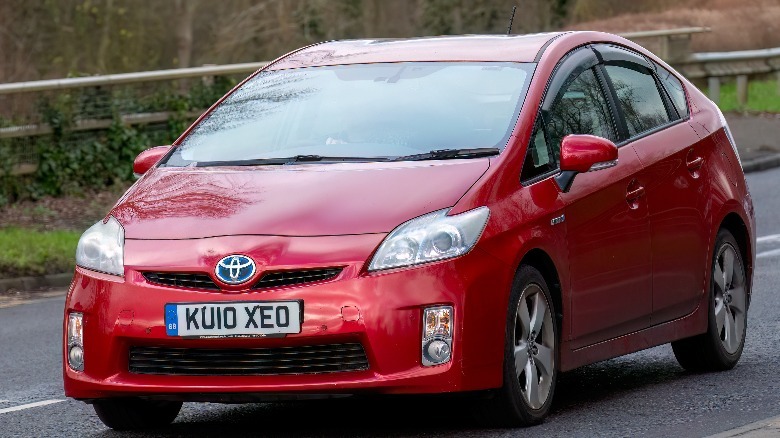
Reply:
x=643, y=394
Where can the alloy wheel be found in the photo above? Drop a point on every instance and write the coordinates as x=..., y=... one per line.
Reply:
x=534, y=346
x=730, y=298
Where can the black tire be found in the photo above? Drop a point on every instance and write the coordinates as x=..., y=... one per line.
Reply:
x=709, y=351
x=508, y=406
x=136, y=413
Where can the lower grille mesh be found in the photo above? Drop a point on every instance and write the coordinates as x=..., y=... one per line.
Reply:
x=248, y=361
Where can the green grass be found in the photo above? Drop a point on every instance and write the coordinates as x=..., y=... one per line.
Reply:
x=762, y=97
x=26, y=252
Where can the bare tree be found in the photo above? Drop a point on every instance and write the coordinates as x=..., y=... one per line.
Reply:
x=185, y=14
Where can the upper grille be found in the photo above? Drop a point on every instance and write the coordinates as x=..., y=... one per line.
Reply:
x=181, y=279
x=269, y=279
x=288, y=278
x=248, y=361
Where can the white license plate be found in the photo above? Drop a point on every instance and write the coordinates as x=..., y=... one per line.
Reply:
x=233, y=319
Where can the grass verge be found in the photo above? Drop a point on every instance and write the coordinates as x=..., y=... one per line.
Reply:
x=762, y=97
x=28, y=252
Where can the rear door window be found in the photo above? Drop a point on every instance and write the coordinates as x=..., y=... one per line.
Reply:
x=638, y=98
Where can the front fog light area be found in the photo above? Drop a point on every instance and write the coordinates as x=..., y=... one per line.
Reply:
x=76, y=341
x=437, y=335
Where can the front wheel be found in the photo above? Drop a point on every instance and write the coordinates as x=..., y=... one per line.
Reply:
x=136, y=413
x=721, y=346
x=530, y=355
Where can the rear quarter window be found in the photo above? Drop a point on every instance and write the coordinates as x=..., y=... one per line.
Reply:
x=675, y=90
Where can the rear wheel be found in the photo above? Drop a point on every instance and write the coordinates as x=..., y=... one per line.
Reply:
x=136, y=413
x=530, y=356
x=721, y=347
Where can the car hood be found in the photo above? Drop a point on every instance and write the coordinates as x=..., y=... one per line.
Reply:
x=296, y=200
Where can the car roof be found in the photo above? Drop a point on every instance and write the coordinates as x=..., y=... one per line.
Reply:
x=507, y=48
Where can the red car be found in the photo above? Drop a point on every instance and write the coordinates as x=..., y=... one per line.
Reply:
x=431, y=215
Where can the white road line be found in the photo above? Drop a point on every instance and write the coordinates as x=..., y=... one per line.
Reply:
x=4, y=401
x=770, y=238
x=773, y=253
x=29, y=405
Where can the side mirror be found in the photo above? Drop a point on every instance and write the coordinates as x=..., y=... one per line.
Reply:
x=584, y=153
x=148, y=158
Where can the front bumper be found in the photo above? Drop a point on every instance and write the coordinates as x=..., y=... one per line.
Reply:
x=120, y=313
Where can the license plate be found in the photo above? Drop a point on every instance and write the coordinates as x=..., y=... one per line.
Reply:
x=233, y=319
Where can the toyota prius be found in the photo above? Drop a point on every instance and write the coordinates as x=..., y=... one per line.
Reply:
x=470, y=214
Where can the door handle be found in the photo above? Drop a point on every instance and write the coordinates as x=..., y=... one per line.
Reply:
x=695, y=163
x=635, y=194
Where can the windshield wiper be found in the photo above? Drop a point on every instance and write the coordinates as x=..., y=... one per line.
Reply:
x=450, y=154
x=289, y=160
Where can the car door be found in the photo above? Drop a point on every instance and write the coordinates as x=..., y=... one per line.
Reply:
x=605, y=216
x=674, y=177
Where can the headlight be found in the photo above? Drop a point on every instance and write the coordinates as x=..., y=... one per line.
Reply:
x=434, y=236
x=102, y=247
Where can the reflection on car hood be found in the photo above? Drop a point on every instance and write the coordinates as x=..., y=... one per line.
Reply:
x=301, y=200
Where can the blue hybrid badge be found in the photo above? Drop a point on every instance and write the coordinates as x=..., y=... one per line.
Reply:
x=235, y=269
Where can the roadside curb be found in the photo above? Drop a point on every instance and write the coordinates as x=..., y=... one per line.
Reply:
x=761, y=429
x=762, y=163
x=32, y=283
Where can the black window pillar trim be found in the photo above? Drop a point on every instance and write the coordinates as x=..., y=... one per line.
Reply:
x=619, y=118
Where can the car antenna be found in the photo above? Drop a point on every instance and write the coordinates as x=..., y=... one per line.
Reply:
x=511, y=19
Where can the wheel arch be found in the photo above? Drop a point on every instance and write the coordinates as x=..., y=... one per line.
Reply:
x=734, y=224
x=539, y=259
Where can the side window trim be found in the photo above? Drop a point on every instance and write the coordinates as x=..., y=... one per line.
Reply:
x=619, y=118
x=619, y=56
x=658, y=69
x=670, y=108
x=624, y=57
x=563, y=74
x=560, y=77
x=551, y=89
x=658, y=128
x=538, y=127
x=671, y=111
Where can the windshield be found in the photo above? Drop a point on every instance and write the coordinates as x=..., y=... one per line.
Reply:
x=366, y=110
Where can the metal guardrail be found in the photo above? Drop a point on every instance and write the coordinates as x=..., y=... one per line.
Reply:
x=130, y=78
x=716, y=66
x=682, y=31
